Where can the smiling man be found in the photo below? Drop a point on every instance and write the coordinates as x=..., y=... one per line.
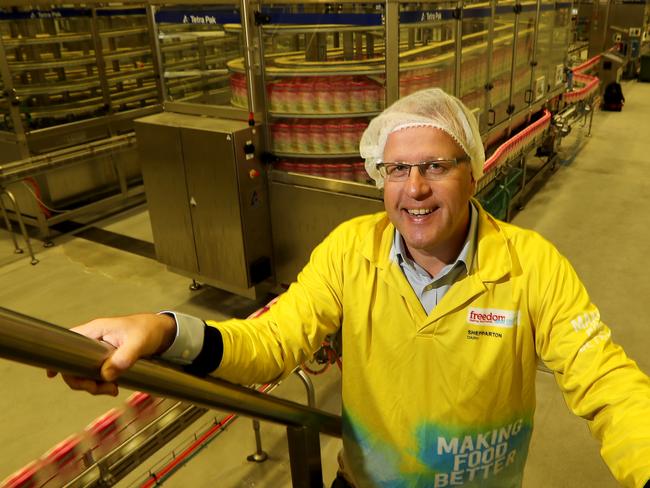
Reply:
x=444, y=312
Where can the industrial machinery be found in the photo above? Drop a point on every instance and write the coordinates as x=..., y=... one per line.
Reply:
x=309, y=76
x=73, y=80
x=300, y=82
x=619, y=24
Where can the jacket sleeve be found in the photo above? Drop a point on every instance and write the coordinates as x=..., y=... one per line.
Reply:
x=599, y=382
x=270, y=347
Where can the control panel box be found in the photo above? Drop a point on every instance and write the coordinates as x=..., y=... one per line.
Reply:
x=208, y=197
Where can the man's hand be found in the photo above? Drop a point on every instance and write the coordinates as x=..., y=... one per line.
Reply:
x=133, y=337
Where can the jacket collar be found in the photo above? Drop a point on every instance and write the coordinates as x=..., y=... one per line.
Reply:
x=491, y=262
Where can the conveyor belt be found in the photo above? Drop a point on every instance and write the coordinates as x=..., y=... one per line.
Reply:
x=105, y=34
x=77, y=85
x=71, y=59
x=45, y=39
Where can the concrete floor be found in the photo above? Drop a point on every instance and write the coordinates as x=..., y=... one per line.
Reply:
x=593, y=209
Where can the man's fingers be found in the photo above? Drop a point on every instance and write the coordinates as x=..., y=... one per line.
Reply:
x=90, y=329
x=91, y=386
x=121, y=360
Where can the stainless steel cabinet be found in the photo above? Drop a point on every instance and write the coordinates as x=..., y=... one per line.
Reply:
x=207, y=197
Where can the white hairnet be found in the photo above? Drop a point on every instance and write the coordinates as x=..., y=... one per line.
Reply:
x=426, y=108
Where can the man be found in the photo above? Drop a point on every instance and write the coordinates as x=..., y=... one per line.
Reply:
x=444, y=312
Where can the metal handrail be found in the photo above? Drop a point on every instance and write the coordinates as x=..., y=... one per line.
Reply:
x=38, y=343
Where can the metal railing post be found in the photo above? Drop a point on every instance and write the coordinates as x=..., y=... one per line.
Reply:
x=304, y=456
x=309, y=386
x=259, y=456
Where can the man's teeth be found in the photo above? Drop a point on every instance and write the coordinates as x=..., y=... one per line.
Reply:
x=419, y=211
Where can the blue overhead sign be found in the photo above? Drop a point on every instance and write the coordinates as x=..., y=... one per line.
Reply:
x=416, y=16
x=46, y=14
x=202, y=16
x=275, y=16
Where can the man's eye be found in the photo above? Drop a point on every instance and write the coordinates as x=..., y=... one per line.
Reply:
x=398, y=168
x=436, y=168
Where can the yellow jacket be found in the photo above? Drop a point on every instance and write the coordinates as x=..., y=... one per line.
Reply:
x=447, y=399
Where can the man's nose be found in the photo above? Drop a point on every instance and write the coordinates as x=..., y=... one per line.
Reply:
x=416, y=184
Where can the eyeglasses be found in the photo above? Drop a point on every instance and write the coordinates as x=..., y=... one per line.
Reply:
x=435, y=169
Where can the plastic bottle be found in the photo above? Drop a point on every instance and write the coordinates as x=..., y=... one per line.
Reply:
x=359, y=128
x=324, y=96
x=332, y=171
x=357, y=96
x=318, y=137
x=349, y=140
x=304, y=168
x=293, y=97
x=341, y=95
x=281, y=135
x=303, y=144
x=334, y=143
x=370, y=96
x=318, y=168
x=347, y=171
x=280, y=94
x=306, y=98
x=360, y=174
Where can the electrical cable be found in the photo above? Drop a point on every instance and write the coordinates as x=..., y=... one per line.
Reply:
x=42, y=203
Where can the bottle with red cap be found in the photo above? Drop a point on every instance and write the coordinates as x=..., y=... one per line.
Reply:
x=281, y=136
x=301, y=133
x=348, y=136
x=347, y=171
x=341, y=95
x=332, y=171
x=306, y=103
x=360, y=174
x=333, y=138
x=281, y=94
x=324, y=96
x=293, y=97
x=357, y=97
x=318, y=137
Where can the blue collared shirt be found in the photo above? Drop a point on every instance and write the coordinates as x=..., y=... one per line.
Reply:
x=430, y=290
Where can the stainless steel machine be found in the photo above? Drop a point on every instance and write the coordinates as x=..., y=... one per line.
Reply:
x=617, y=23
x=72, y=80
x=309, y=76
x=306, y=77
x=207, y=195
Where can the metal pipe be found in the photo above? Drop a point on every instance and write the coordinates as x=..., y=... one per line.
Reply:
x=513, y=66
x=458, y=40
x=489, y=55
x=249, y=56
x=259, y=456
x=391, y=35
x=101, y=63
x=31, y=166
x=21, y=223
x=17, y=249
x=309, y=386
x=154, y=42
x=41, y=344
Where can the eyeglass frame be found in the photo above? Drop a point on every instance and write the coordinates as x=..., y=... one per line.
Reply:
x=381, y=167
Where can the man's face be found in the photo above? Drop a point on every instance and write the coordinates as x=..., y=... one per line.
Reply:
x=446, y=201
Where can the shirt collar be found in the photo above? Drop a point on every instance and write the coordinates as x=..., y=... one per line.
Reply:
x=465, y=257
